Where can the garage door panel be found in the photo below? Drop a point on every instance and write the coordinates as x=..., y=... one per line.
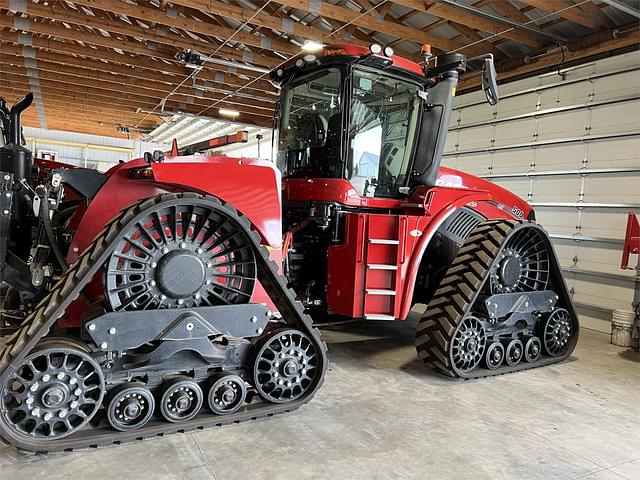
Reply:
x=607, y=223
x=451, y=144
x=475, y=165
x=517, y=131
x=616, y=118
x=559, y=157
x=557, y=220
x=565, y=251
x=476, y=113
x=513, y=161
x=597, y=258
x=518, y=186
x=476, y=137
x=565, y=96
x=569, y=124
x=621, y=152
x=618, y=86
x=519, y=105
x=618, y=188
x=555, y=189
x=611, y=294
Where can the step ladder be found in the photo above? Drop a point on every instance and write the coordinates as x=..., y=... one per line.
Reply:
x=384, y=251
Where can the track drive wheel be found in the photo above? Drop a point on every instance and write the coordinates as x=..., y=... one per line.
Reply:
x=285, y=365
x=130, y=406
x=52, y=393
x=227, y=394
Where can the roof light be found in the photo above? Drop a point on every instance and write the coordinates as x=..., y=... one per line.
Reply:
x=388, y=51
x=375, y=48
x=227, y=112
x=312, y=46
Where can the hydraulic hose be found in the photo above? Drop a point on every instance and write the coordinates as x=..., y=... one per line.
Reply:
x=46, y=222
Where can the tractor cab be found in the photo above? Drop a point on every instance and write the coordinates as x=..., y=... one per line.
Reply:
x=364, y=119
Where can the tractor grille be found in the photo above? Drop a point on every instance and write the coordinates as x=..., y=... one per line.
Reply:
x=461, y=223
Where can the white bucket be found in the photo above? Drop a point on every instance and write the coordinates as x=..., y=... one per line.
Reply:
x=622, y=327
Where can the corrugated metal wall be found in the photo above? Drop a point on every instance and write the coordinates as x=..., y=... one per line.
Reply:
x=93, y=151
x=569, y=144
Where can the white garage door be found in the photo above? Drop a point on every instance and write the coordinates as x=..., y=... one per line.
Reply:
x=570, y=145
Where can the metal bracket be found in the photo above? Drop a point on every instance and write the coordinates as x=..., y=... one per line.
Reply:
x=126, y=330
x=6, y=200
x=503, y=304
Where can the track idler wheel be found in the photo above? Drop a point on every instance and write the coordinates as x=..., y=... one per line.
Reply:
x=467, y=345
x=130, y=406
x=513, y=351
x=494, y=356
x=532, y=349
x=557, y=332
x=285, y=365
x=227, y=394
x=181, y=400
x=52, y=393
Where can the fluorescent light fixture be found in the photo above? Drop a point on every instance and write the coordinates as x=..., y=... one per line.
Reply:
x=312, y=46
x=227, y=112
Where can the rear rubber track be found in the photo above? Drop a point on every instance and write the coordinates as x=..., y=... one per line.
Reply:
x=459, y=290
x=38, y=324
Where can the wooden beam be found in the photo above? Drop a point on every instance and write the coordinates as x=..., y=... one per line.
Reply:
x=596, y=12
x=143, y=63
x=508, y=10
x=126, y=100
x=132, y=74
x=553, y=58
x=347, y=15
x=574, y=14
x=153, y=40
x=285, y=25
x=151, y=88
x=455, y=15
x=184, y=23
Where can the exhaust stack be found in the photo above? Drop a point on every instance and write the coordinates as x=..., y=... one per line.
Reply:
x=14, y=158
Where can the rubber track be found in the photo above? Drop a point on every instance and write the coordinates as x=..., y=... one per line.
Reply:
x=458, y=292
x=38, y=324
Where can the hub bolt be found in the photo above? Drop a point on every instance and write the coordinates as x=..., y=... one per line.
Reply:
x=183, y=245
x=60, y=376
x=46, y=377
x=112, y=331
x=199, y=251
x=154, y=264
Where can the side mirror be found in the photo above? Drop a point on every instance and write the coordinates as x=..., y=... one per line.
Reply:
x=490, y=81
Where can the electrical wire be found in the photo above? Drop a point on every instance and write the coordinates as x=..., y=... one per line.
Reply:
x=366, y=12
x=510, y=29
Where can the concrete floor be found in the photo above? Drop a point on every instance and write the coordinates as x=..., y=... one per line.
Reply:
x=381, y=415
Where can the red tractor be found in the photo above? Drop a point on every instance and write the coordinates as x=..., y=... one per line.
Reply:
x=144, y=301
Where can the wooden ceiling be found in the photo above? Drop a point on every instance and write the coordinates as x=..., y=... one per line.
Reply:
x=104, y=66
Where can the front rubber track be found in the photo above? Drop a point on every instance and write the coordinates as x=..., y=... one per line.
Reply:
x=459, y=291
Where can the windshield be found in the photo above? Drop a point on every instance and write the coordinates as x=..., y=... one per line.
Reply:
x=383, y=117
x=310, y=126
x=383, y=120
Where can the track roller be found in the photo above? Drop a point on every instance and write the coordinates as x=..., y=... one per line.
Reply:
x=227, y=394
x=130, y=406
x=181, y=400
x=532, y=349
x=494, y=355
x=513, y=351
